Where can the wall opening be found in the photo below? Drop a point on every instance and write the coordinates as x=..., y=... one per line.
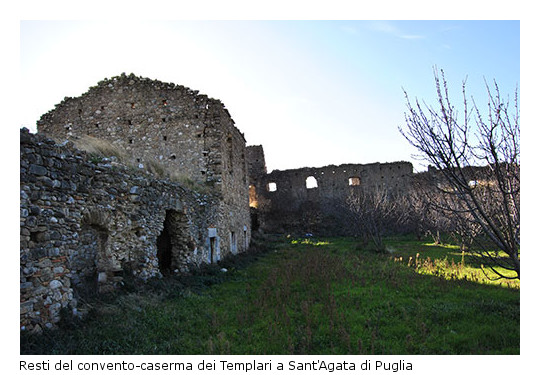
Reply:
x=234, y=245
x=212, y=249
x=272, y=186
x=91, y=265
x=164, y=246
x=174, y=244
x=253, y=196
x=213, y=245
x=91, y=262
x=311, y=183
x=354, y=181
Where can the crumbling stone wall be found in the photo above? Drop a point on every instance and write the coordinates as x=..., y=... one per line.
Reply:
x=152, y=121
x=188, y=193
x=165, y=126
x=85, y=222
x=310, y=199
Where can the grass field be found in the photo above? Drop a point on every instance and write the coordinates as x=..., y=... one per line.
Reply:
x=306, y=296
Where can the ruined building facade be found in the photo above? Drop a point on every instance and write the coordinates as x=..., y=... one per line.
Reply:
x=315, y=199
x=178, y=197
x=168, y=127
x=147, y=178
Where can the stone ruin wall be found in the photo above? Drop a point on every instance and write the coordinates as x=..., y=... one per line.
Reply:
x=302, y=200
x=152, y=121
x=86, y=221
x=165, y=126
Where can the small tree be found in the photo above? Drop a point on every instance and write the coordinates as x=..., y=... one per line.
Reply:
x=422, y=213
x=477, y=166
x=376, y=212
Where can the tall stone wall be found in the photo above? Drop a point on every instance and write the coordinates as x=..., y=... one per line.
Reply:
x=166, y=126
x=256, y=163
x=86, y=221
x=152, y=121
x=311, y=199
x=256, y=172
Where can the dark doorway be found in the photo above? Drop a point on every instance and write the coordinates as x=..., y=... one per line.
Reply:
x=254, y=214
x=164, y=246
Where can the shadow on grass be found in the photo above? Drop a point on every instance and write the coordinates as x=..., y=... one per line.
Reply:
x=297, y=298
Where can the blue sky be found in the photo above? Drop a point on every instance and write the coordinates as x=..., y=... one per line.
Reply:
x=312, y=93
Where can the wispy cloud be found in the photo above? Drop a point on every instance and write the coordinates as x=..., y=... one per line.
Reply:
x=390, y=28
x=349, y=30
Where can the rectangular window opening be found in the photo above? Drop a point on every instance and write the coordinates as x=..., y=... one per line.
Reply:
x=354, y=181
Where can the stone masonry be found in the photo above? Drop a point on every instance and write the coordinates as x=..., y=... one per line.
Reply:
x=84, y=224
x=165, y=126
x=179, y=188
x=310, y=199
x=178, y=199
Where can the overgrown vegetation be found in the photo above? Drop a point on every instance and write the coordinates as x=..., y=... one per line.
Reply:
x=302, y=296
x=98, y=149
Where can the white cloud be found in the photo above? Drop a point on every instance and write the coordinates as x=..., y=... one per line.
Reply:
x=391, y=29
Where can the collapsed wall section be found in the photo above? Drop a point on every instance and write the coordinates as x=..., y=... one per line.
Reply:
x=86, y=222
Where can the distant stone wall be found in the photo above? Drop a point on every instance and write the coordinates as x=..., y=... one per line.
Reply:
x=85, y=222
x=311, y=199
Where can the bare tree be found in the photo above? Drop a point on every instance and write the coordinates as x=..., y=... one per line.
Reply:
x=422, y=214
x=477, y=163
x=376, y=212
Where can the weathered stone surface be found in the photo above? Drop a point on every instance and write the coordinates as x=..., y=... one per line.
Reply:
x=37, y=170
x=84, y=215
x=315, y=199
x=54, y=284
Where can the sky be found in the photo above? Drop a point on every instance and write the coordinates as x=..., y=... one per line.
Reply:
x=313, y=93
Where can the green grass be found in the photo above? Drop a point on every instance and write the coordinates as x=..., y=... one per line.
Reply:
x=301, y=297
x=448, y=261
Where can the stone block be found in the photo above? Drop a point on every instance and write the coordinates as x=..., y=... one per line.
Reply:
x=27, y=307
x=37, y=170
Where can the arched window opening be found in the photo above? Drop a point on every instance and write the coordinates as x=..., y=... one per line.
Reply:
x=311, y=182
x=92, y=263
